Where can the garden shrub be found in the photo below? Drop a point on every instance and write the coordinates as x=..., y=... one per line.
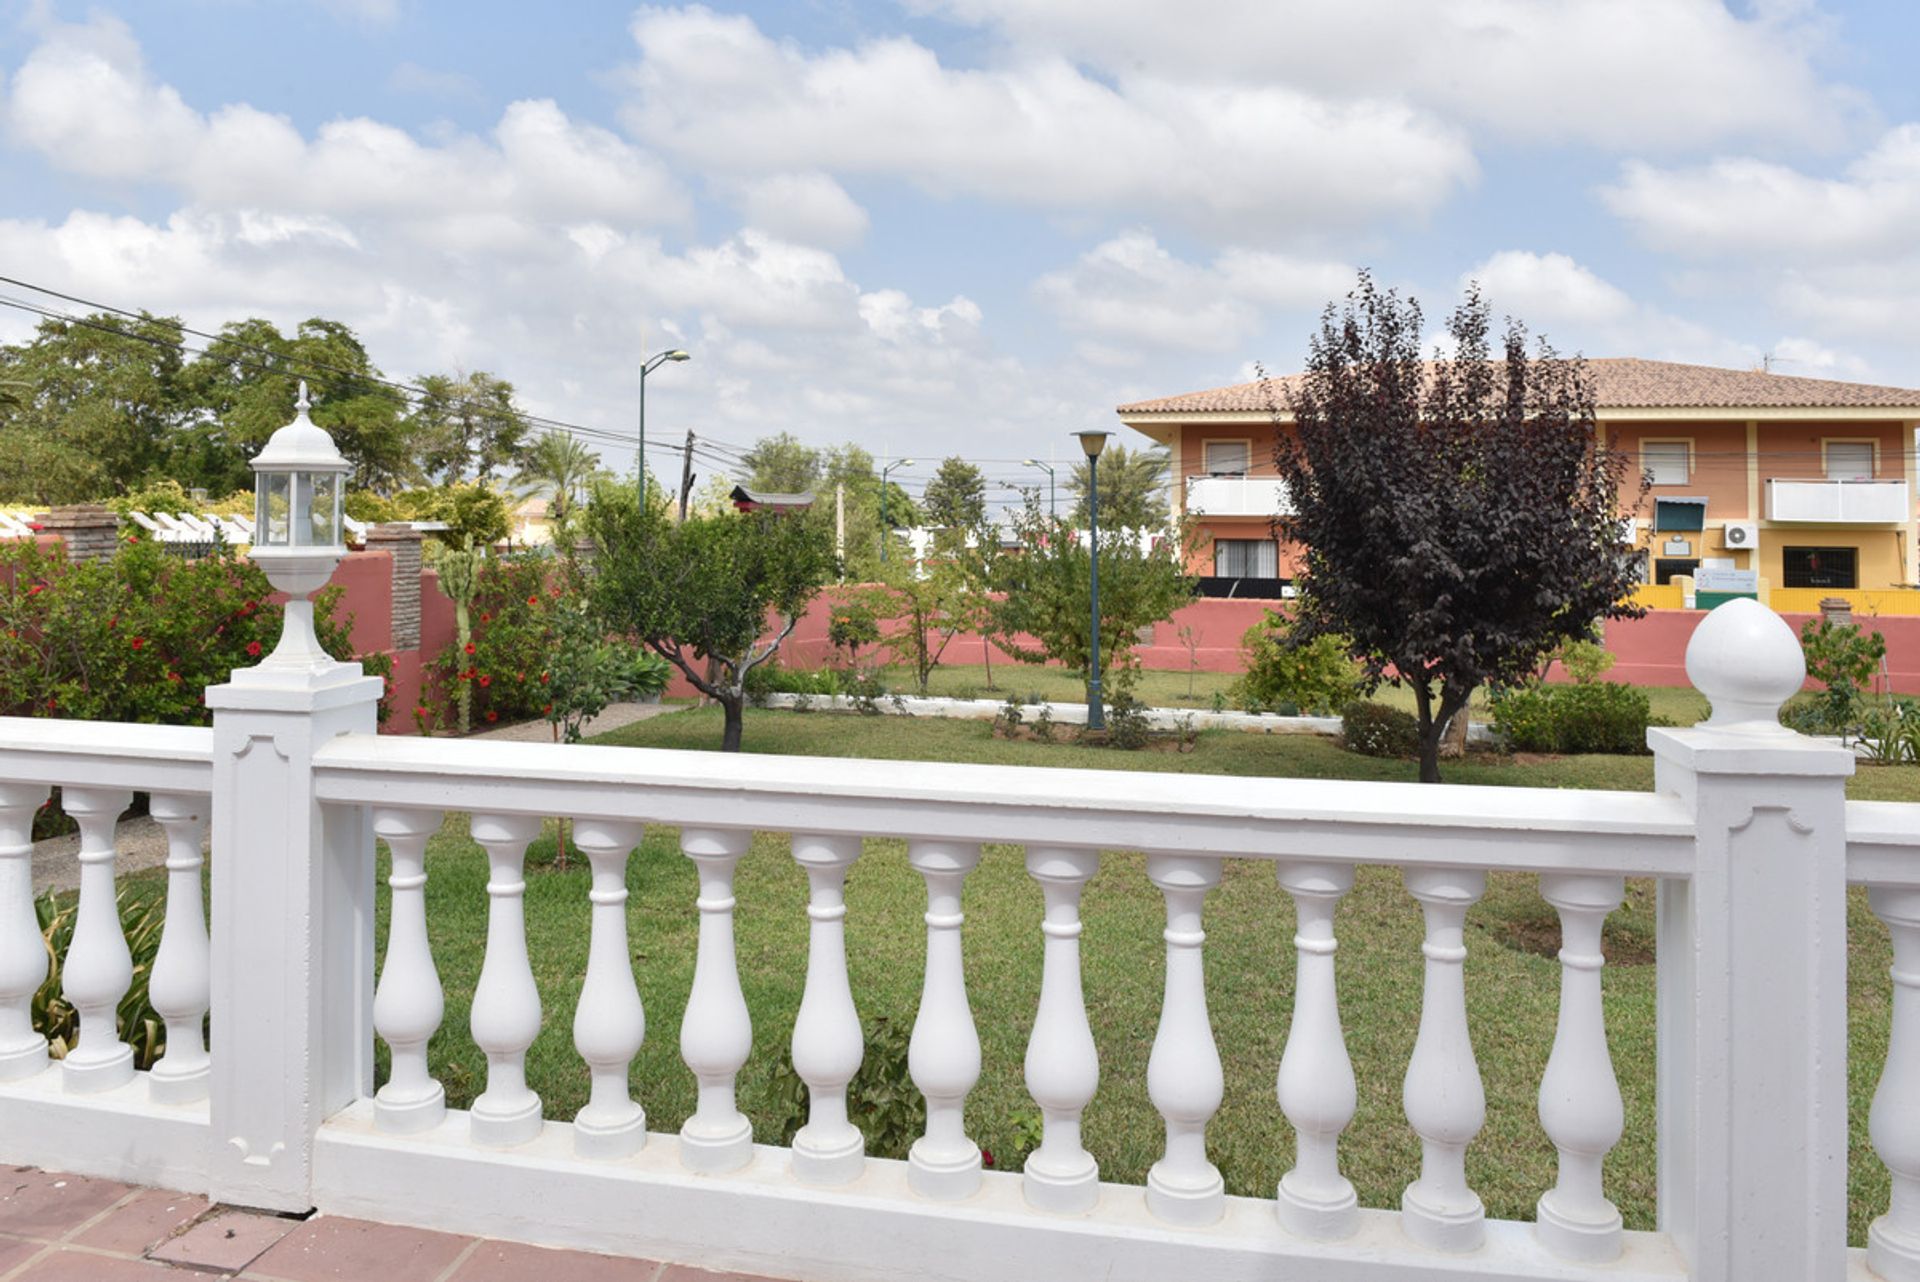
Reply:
x=1844, y=660
x=1314, y=676
x=1127, y=725
x=1376, y=730
x=141, y=635
x=881, y=1099
x=773, y=678
x=1595, y=716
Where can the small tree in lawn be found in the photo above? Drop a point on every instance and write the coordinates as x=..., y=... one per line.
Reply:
x=1047, y=594
x=699, y=593
x=920, y=609
x=585, y=672
x=1458, y=517
x=851, y=625
x=979, y=561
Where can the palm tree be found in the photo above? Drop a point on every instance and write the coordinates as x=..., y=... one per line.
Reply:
x=559, y=464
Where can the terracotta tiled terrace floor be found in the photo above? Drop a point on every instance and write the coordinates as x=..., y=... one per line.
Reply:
x=65, y=1228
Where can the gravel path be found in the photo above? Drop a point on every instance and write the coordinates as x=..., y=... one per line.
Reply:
x=616, y=715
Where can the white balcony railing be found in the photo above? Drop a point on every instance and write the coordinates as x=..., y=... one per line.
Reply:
x=1236, y=496
x=1748, y=834
x=1849, y=502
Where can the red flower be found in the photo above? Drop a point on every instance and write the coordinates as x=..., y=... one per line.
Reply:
x=492, y=715
x=250, y=606
x=485, y=682
x=419, y=711
x=548, y=710
x=544, y=677
x=35, y=526
x=138, y=642
x=253, y=649
x=486, y=618
x=986, y=1156
x=52, y=704
x=36, y=589
x=469, y=647
x=173, y=676
x=534, y=599
x=555, y=594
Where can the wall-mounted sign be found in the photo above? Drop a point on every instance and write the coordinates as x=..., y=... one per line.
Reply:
x=1715, y=579
x=1676, y=547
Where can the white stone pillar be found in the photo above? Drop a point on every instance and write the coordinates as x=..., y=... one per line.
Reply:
x=1184, y=1078
x=23, y=959
x=609, y=1024
x=292, y=929
x=1445, y=1103
x=1062, y=1065
x=944, y=1053
x=716, y=1033
x=1752, y=955
x=98, y=968
x=506, y=1002
x=409, y=1004
x=179, y=986
x=1580, y=1106
x=828, y=1043
x=1893, y=1240
x=1316, y=1086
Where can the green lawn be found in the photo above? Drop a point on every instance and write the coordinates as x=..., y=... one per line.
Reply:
x=1512, y=991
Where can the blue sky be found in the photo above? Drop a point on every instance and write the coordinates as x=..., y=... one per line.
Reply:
x=966, y=226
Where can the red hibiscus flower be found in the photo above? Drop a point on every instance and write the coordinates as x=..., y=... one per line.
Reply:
x=486, y=618
x=36, y=589
x=138, y=643
x=469, y=647
x=545, y=677
x=253, y=649
x=173, y=677
x=485, y=682
x=534, y=599
x=492, y=715
x=548, y=710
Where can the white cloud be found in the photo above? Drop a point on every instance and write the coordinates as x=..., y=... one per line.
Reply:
x=810, y=208
x=1038, y=131
x=1565, y=302
x=1131, y=292
x=1614, y=73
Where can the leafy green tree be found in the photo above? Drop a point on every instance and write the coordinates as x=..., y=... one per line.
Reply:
x=468, y=427
x=956, y=497
x=561, y=465
x=920, y=610
x=1046, y=590
x=1133, y=489
x=698, y=593
x=782, y=465
x=94, y=403
x=1458, y=516
x=474, y=513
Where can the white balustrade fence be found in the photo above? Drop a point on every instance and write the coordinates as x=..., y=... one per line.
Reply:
x=1747, y=831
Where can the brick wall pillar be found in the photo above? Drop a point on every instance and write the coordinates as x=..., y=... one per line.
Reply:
x=89, y=531
x=402, y=543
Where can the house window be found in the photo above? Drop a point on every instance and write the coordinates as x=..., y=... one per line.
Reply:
x=1667, y=462
x=1679, y=515
x=1820, y=567
x=1667, y=567
x=1226, y=458
x=1849, y=460
x=1245, y=559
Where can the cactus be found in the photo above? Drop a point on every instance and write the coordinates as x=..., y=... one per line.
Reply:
x=459, y=579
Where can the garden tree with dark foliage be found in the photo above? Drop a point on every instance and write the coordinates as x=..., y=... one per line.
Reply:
x=956, y=497
x=1046, y=587
x=1133, y=489
x=1458, y=517
x=698, y=593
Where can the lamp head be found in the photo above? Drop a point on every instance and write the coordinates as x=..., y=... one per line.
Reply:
x=1093, y=441
x=677, y=355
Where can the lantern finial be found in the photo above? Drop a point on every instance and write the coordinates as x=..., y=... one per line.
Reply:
x=302, y=404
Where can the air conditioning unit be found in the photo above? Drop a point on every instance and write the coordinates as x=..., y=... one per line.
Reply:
x=1740, y=534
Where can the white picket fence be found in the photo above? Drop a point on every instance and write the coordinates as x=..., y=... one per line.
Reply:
x=1747, y=831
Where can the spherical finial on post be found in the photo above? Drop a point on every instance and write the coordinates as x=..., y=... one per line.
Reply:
x=1748, y=663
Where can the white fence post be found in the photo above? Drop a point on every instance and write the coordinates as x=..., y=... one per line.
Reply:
x=1752, y=972
x=292, y=929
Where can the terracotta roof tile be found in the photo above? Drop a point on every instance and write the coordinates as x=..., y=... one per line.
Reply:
x=1619, y=383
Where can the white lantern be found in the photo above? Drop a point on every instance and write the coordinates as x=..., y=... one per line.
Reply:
x=299, y=487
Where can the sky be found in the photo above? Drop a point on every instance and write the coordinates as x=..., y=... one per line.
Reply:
x=964, y=227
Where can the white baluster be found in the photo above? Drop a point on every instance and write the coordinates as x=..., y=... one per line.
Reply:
x=944, y=1054
x=1063, y=1066
x=408, y=1004
x=1315, y=1085
x=1893, y=1240
x=1580, y=1107
x=716, y=1034
x=1184, y=1079
x=23, y=959
x=178, y=986
x=506, y=1001
x=1443, y=1097
x=609, y=1024
x=827, y=1040
x=98, y=969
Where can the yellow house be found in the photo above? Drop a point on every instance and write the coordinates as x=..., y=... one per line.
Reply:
x=1798, y=487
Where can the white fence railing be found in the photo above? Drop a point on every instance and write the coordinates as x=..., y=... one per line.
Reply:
x=1747, y=832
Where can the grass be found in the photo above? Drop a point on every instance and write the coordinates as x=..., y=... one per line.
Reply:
x=1512, y=993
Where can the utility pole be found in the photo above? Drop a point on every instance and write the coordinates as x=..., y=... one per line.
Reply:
x=686, y=476
x=840, y=521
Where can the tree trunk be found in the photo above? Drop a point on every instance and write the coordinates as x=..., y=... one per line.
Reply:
x=734, y=704
x=986, y=657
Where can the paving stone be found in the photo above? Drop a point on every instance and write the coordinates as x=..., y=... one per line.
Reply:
x=329, y=1248
x=144, y=1222
x=41, y=1204
x=226, y=1242
x=85, y=1266
x=15, y=1249
x=512, y=1262
x=682, y=1273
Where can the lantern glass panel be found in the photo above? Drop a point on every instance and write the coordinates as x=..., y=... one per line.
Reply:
x=272, y=508
x=323, y=522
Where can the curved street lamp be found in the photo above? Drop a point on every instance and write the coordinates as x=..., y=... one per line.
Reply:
x=1093, y=441
x=884, y=472
x=1053, y=505
x=651, y=364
